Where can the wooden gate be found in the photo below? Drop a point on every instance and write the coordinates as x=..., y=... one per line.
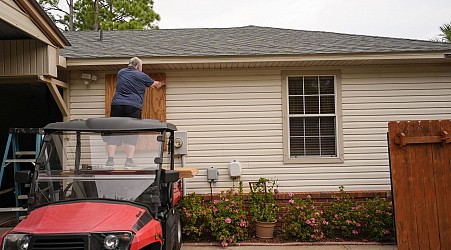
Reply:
x=420, y=165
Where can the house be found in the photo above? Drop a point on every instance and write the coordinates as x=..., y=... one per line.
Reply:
x=307, y=108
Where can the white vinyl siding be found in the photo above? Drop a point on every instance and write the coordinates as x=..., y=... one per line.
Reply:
x=237, y=115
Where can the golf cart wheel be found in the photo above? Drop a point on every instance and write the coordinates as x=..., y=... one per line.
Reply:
x=178, y=237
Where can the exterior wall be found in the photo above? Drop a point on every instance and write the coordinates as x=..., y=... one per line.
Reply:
x=27, y=58
x=237, y=115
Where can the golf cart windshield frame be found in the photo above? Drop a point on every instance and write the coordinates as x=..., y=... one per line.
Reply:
x=105, y=127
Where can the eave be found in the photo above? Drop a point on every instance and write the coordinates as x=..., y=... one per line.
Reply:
x=268, y=61
x=43, y=22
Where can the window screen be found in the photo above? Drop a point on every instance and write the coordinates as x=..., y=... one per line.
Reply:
x=312, y=116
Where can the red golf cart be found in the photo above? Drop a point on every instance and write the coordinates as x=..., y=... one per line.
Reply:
x=78, y=201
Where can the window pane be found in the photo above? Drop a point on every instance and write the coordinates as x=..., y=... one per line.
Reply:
x=312, y=126
x=311, y=105
x=311, y=85
x=295, y=86
x=296, y=126
x=326, y=84
x=328, y=146
x=297, y=146
x=327, y=104
x=327, y=126
x=296, y=104
x=312, y=146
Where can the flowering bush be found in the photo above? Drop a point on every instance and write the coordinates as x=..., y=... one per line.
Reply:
x=303, y=220
x=227, y=217
x=193, y=216
x=262, y=200
x=377, y=218
x=343, y=217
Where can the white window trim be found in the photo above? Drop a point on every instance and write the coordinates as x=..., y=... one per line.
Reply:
x=338, y=113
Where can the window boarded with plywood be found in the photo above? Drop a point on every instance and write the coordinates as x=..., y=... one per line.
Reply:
x=154, y=106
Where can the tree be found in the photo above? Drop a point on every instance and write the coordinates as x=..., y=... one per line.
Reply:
x=58, y=14
x=446, y=33
x=104, y=14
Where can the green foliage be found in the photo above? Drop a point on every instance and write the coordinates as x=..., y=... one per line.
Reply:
x=105, y=14
x=262, y=199
x=344, y=218
x=227, y=217
x=193, y=216
x=378, y=221
x=445, y=36
x=58, y=14
x=303, y=220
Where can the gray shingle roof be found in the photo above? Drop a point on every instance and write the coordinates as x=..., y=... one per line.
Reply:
x=240, y=41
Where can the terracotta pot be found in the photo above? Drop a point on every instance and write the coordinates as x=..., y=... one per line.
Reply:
x=264, y=230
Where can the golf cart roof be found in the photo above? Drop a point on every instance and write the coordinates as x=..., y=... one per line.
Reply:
x=111, y=124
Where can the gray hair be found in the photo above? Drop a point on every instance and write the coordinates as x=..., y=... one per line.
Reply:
x=134, y=62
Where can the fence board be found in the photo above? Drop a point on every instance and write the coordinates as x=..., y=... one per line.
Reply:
x=421, y=177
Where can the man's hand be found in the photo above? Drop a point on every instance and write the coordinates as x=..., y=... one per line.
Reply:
x=158, y=84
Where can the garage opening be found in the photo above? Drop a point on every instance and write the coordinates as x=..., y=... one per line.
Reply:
x=23, y=105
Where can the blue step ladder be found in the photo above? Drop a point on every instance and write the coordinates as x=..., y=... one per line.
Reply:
x=19, y=161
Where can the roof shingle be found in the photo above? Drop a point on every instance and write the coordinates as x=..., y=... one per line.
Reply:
x=239, y=41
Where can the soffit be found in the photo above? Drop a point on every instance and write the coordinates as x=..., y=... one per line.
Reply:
x=159, y=65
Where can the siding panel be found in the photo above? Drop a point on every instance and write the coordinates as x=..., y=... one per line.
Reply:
x=237, y=115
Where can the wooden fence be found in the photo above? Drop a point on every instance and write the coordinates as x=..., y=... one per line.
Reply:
x=420, y=165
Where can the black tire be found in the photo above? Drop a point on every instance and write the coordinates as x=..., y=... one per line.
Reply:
x=178, y=236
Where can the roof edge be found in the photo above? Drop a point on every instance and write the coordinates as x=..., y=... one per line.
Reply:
x=43, y=22
x=278, y=58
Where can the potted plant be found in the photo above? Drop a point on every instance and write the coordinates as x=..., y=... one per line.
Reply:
x=263, y=207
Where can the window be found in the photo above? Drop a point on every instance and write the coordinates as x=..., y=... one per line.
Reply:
x=311, y=108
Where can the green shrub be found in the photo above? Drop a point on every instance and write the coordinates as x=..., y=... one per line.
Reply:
x=378, y=221
x=227, y=217
x=193, y=217
x=303, y=220
x=262, y=200
x=343, y=217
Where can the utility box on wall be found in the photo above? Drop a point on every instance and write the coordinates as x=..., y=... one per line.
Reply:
x=180, y=143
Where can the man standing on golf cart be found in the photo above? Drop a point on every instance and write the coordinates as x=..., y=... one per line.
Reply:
x=128, y=102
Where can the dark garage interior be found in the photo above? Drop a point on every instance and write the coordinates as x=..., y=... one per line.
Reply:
x=23, y=105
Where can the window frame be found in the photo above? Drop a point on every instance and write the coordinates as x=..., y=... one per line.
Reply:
x=338, y=115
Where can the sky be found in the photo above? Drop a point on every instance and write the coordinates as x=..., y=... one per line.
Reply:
x=414, y=19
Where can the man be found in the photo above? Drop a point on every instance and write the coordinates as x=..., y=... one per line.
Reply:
x=128, y=102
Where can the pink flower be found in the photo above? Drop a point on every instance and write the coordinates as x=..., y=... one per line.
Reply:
x=227, y=207
x=357, y=224
x=309, y=197
x=242, y=223
x=348, y=222
x=290, y=194
x=235, y=193
x=228, y=220
x=291, y=201
x=355, y=232
x=325, y=222
x=215, y=202
x=236, y=210
x=297, y=207
x=276, y=191
x=224, y=243
x=188, y=214
x=386, y=232
x=215, y=210
x=308, y=222
x=336, y=216
x=313, y=220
